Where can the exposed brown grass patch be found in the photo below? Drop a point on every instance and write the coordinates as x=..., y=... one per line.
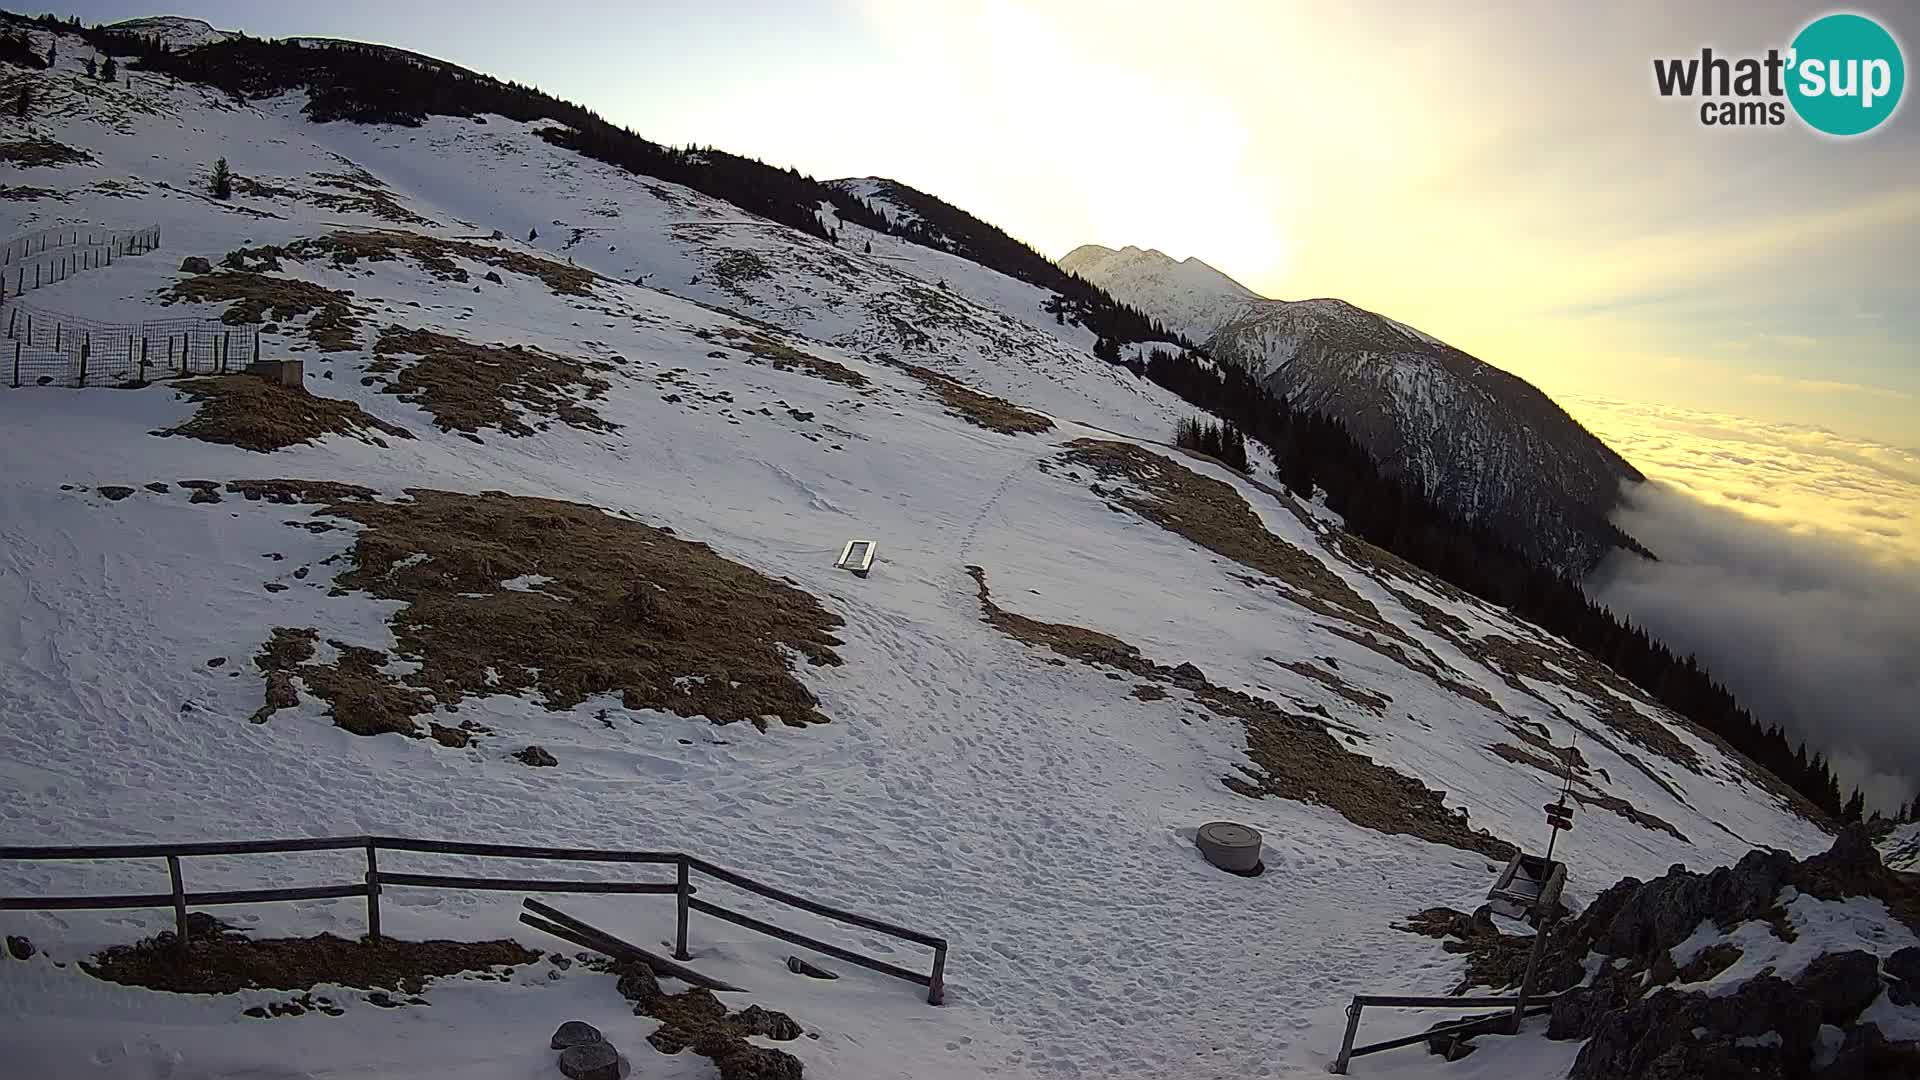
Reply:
x=1295, y=756
x=35, y=152
x=784, y=357
x=219, y=961
x=333, y=327
x=1212, y=514
x=978, y=409
x=1595, y=683
x=627, y=609
x=360, y=192
x=257, y=414
x=1709, y=962
x=436, y=256
x=515, y=389
x=1494, y=960
x=696, y=1020
x=1590, y=794
x=13, y=193
x=1360, y=696
x=360, y=697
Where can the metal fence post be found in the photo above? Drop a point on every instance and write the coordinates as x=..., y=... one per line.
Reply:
x=373, y=895
x=226, y=349
x=16, y=364
x=179, y=901
x=143, y=357
x=86, y=346
x=680, y=939
x=1339, y=1066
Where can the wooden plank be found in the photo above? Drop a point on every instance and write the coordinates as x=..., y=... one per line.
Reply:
x=85, y=903
x=610, y=945
x=150, y=851
x=657, y=888
x=804, y=941
x=262, y=896
x=516, y=851
x=567, y=935
x=804, y=904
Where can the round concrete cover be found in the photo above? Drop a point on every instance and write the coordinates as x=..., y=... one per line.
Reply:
x=1228, y=834
x=1229, y=846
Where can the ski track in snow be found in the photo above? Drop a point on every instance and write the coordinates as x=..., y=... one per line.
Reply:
x=1035, y=814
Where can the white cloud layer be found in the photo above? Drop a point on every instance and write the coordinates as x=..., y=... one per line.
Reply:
x=1790, y=565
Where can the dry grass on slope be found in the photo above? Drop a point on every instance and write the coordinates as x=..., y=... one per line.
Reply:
x=1296, y=757
x=257, y=414
x=976, y=408
x=218, y=960
x=436, y=256
x=44, y=153
x=619, y=608
x=255, y=296
x=515, y=389
x=1212, y=514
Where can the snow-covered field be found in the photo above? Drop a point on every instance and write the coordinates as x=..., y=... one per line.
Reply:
x=1038, y=816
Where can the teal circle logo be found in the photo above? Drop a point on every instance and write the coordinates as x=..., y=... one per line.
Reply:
x=1846, y=74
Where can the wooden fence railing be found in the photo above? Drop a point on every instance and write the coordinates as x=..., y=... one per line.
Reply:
x=376, y=880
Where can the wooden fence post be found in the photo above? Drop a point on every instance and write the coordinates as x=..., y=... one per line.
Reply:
x=680, y=938
x=16, y=364
x=226, y=349
x=56, y=334
x=256, y=346
x=937, y=985
x=143, y=358
x=179, y=901
x=373, y=895
x=86, y=345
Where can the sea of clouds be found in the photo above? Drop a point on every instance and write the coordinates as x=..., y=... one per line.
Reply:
x=1790, y=565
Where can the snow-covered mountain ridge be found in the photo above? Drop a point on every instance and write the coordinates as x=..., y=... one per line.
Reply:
x=1076, y=645
x=1479, y=441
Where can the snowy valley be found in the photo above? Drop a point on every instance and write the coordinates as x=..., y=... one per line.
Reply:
x=572, y=457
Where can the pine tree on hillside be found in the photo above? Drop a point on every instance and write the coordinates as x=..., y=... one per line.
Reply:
x=23, y=105
x=1855, y=807
x=222, y=183
x=93, y=68
x=532, y=235
x=53, y=52
x=109, y=70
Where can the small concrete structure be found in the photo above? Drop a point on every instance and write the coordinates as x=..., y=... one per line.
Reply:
x=285, y=372
x=1230, y=846
x=856, y=557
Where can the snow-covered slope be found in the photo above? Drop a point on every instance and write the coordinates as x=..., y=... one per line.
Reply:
x=174, y=31
x=1481, y=442
x=997, y=766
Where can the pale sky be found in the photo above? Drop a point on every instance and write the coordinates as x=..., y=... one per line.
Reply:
x=1503, y=176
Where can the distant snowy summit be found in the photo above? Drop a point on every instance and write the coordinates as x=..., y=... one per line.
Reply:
x=1481, y=442
x=174, y=31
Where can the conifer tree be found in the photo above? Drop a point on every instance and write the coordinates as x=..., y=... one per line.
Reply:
x=222, y=183
x=109, y=70
x=93, y=69
x=23, y=105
